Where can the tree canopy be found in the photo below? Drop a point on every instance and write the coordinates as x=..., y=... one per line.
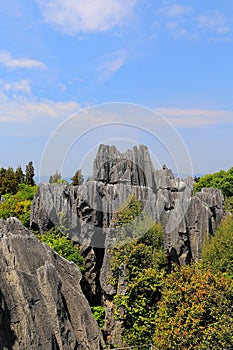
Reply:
x=29, y=177
x=10, y=179
x=77, y=179
x=195, y=311
x=218, y=249
x=222, y=180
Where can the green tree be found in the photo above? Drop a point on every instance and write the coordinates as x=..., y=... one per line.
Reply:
x=195, y=311
x=55, y=178
x=139, y=258
x=8, y=182
x=29, y=179
x=77, y=179
x=218, y=250
x=222, y=180
x=19, y=175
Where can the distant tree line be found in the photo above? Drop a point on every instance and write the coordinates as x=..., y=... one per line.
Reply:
x=10, y=178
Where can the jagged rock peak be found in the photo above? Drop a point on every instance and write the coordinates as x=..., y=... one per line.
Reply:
x=42, y=306
x=133, y=167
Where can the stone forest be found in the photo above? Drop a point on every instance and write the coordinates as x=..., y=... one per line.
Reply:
x=133, y=258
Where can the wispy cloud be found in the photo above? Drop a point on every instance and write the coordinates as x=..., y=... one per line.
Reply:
x=175, y=11
x=10, y=62
x=182, y=21
x=177, y=20
x=75, y=16
x=21, y=86
x=112, y=63
x=196, y=118
x=214, y=21
x=27, y=110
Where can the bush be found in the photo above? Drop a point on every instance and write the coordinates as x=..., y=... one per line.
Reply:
x=99, y=315
x=137, y=260
x=218, y=250
x=222, y=180
x=195, y=311
x=19, y=204
x=62, y=245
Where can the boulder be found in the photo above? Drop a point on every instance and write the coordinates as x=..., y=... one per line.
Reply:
x=42, y=305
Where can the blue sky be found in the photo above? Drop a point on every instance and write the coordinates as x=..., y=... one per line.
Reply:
x=58, y=57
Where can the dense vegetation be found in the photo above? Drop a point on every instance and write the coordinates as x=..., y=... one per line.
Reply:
x=10, y=179
x=61, y=244
x=195, y=310
x=138, y=259
x=218, y=250
x=18, y=204
x=189, y=307
x=222, y=180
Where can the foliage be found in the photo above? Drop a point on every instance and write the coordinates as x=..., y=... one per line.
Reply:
x=19, y=204
x=77, y=179
x=99, y=315
x=195, y=311
x=63, y=246
x=222, y=180
x=138, y=263
x=10, y=179
x=19, y=175
x=228, y=203
x=30, y=174
x=128, y=212
x=56, y=179
x=218, y=250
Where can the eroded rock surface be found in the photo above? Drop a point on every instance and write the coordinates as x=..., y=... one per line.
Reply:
x=42, y=306
x=87, y=212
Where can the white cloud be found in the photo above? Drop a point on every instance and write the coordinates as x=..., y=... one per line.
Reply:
x=24, y=110
x=8, y=61
x=21, y=86
x=112, y=63
x=215, y=21
x=175, y=11
x=195, y=118
x=75, y=16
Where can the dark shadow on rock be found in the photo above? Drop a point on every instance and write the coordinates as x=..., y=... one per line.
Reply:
x=7, y=336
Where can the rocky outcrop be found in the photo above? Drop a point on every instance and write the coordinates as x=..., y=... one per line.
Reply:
x=87, y=211
x=41, y=303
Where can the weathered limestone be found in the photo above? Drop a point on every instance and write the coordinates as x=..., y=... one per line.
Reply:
x=42, y=306
x=87, y=212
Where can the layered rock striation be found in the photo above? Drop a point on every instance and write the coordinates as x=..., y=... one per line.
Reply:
x=42, y=306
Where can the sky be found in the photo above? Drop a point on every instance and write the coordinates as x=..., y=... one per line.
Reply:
x=59, y=58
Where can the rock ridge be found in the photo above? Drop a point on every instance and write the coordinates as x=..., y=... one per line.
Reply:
x=42, y=305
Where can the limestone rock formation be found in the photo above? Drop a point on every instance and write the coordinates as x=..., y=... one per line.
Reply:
x=42, y=306
x=87, y=211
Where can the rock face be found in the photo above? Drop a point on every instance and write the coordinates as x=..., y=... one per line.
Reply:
x=87, y=212
x=41, y=303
